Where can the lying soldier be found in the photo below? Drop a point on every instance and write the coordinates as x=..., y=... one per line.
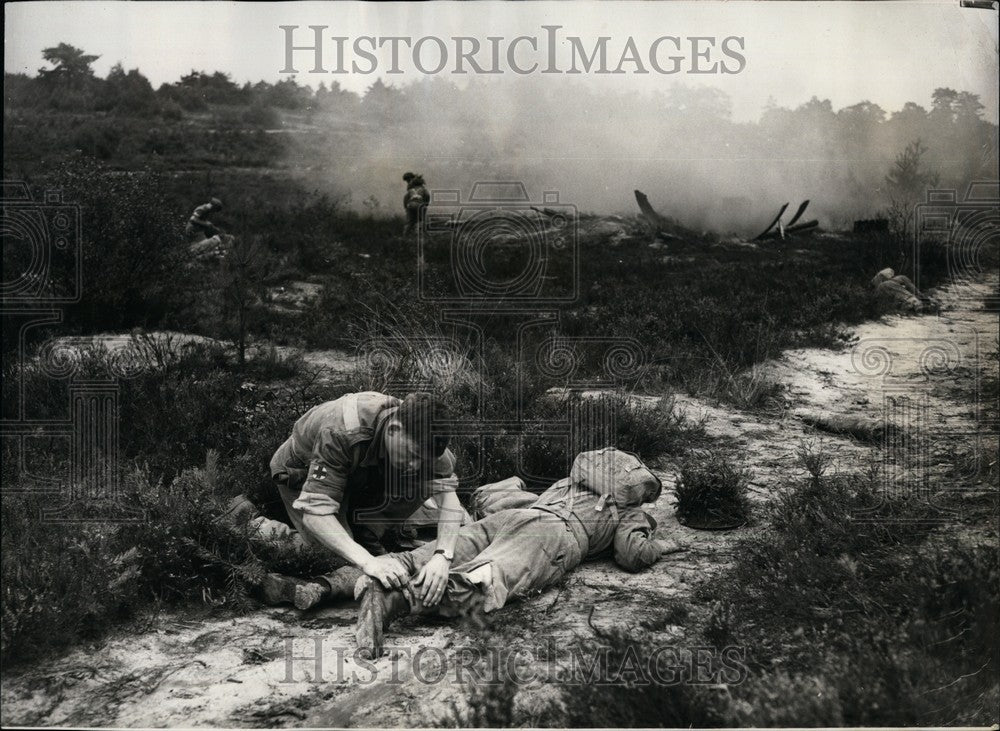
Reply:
x=897, y=289
x=525, y=543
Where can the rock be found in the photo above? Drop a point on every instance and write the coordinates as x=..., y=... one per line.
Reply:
x=862, y=428
x=608, y=229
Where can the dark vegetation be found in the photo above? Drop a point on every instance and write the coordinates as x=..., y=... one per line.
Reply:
x=712, y=493
x=885, y=611
x=816, y=596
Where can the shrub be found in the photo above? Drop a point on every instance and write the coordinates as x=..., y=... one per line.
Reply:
x=65, y=582
x=130, y=258
x=712, y=492
x=652, y=428
x=848, y=588
x=261, y=115
x=170, y=110
x=626, y=692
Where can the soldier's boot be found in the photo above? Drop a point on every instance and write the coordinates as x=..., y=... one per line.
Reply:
x=378, y=609
x=307, y=593
x=341, y=582
x=239, y=511
x=304, y=594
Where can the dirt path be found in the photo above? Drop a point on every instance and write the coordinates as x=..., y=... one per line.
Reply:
x=189, y=671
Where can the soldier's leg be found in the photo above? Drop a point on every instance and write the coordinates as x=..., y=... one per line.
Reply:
x=307, y=593
x=473, y=538
x=503, y=495
x=524, y=550
x=379, y=607
x=534, y=552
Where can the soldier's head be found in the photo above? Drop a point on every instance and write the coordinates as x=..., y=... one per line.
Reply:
x=407, y=177
x=413, y=437
x=216, y=204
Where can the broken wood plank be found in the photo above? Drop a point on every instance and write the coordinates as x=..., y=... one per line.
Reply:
x=771, y=225
x=804, y=226
x=798, y=228
x=798, y=213
x=655, y=219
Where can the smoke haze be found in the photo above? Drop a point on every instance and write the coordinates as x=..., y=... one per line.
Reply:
x=679, y=146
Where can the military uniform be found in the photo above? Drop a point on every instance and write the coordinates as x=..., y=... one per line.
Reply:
x=199, y=227
x=527, y=542
x=414, y=201
x=334, y=463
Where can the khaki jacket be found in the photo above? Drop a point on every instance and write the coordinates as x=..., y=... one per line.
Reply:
x=337, y=439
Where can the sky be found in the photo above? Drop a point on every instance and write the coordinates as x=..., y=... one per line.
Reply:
x=885, y=52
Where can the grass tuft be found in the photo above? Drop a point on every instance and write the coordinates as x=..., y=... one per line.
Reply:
x=711, y=492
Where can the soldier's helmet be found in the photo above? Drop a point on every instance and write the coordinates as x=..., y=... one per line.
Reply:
x=408, y=177
x=216, y=204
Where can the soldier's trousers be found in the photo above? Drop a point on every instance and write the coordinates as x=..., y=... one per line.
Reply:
x=505, y=555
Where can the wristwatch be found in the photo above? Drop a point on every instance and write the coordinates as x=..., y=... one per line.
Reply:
x=448, y=555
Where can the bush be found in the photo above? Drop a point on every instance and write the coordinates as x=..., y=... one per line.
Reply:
x=625, y=693
x=66, y=582
x=130, y=253
x=849, y=589
x=652, y=428
x=261, y=115
x=712, y=492
x=171, y=111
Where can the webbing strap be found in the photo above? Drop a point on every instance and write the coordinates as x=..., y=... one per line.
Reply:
x=352, y=420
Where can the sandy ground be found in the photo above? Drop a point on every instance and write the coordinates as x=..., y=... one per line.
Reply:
x=899, y=376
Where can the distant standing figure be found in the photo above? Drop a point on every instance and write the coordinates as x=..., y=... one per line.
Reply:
x=416, y=199
x=199, y=226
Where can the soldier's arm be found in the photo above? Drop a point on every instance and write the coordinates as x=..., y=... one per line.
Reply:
x=328, y=531
x=450, y=511
x=320, y=501
x=634, y=546
x=322, y=495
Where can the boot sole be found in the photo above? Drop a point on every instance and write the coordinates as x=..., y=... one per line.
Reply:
x=369, y=633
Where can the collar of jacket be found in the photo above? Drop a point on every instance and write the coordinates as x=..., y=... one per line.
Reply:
x=376, y=450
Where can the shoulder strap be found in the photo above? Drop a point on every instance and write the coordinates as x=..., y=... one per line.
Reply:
x=352, y=420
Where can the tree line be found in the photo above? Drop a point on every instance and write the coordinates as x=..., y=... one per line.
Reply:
x=539, y=131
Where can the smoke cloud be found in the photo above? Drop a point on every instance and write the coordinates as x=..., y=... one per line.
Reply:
x=679, y=146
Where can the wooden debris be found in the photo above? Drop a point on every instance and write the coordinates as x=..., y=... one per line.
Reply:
x=777, y=218
x=798, y=228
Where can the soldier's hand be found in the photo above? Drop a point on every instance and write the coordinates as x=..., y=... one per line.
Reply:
x=388, y=570
x=668, y=546
x=433, y=579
